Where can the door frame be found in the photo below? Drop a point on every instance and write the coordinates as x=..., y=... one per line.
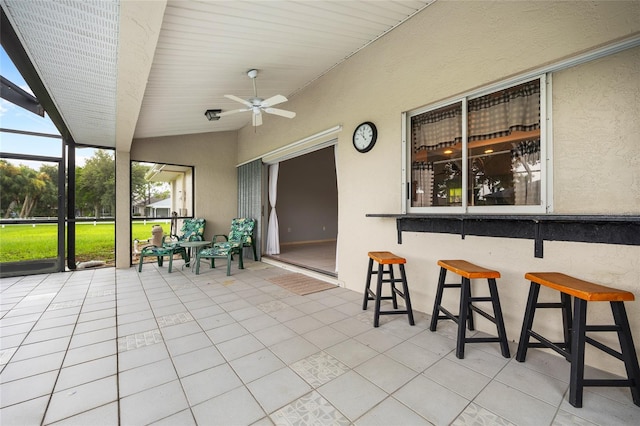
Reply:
x=40, y=266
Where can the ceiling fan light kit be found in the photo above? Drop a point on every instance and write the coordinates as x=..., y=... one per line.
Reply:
x=257, y=105
x=213, y=114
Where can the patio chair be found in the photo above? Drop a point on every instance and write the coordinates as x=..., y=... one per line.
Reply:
x=240, y=236
x=192, y=230
x=157, y=249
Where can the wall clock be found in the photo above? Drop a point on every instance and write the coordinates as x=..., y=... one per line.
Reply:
x=364, y=137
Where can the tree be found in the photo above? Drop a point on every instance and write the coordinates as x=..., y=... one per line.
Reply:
x=35, y=185
x=22, y=187
x=96, y=182
x=144, y=191
x=138, y=182
x=10, y=193
x=48, y=202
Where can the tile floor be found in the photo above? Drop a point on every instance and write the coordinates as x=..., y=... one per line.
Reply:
x=109, y=347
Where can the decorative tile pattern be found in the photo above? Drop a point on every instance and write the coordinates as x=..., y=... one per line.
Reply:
x=475, y=415
x=319, y=368
x=311, y=409
x=139, y=340
x=173, y=319
x=63, y=305
x=100, y=293
x=567, y=419
x=181, y=286
x=272, y=306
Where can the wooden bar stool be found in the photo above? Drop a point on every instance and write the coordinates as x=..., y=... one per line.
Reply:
x=469, y=271
x=575, y=338
x=388, y=259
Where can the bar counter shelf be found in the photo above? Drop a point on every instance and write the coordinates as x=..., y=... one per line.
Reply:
x=605, y=229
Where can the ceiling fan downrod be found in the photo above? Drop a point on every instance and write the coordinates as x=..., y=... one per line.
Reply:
x=252, y=75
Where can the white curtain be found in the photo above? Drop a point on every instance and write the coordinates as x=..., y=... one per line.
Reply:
x=273, y=233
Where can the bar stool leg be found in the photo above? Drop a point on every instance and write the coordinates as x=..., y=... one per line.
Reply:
x=438, y=301
x=407, y=299
x=367, y=286
x=497, y=313
x=527, y=323
x=393, y=287
x=578, y=340
x=566, y=321
x=376, y=314
x=627, y=348
x=469, y=310
x=463, y=313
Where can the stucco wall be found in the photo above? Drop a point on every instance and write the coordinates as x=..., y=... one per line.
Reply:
x=597, y=136
x=452, y=48
x=214, y=157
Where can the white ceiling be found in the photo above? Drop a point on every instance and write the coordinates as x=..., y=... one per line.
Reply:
x=204, y=50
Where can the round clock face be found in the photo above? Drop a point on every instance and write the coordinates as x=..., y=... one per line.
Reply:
x=364, y=137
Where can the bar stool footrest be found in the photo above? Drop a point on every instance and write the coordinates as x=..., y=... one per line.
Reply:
x=447, y=315
x=482, y=340
x=617, y=383
x=392, y=312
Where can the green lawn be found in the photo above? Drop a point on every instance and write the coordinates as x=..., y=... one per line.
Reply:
x=93, y=242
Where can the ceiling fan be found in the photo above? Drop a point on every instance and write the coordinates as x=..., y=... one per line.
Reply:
x=256, y=105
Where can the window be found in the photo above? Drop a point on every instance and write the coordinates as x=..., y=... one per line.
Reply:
x=161, y=190
x=481, y=153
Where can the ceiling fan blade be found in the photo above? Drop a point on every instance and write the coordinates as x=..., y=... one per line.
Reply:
x=233, y=111
x=257, y=119
x=274, y=100
x=280, y=112
x=237, y=99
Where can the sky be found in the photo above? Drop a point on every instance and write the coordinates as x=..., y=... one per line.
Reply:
x=17, y=118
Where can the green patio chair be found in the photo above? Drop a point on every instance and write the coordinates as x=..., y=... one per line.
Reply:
x=192, y=230
x=240, y=236
x=156, y=248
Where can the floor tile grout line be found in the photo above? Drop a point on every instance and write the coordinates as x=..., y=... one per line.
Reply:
x=473, y=400
x=228, y=363
x=286, y=365
x=352, y=369
x=203, y=331
x=34, y=323
x=75, y=325
x=421, y=373
x=117, y=288
x=31, y=329
x=470, y=401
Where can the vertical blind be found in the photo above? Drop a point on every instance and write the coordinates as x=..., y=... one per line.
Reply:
x=250, y=197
